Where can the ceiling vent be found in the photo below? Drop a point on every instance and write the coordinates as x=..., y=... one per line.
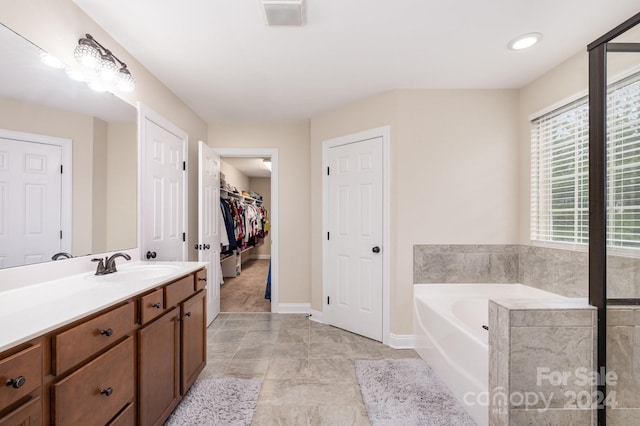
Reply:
x=283, y=12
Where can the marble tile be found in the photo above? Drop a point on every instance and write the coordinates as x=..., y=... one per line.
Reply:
x=282, y=415
x=228, y=336
x=258, y=338
x=237, y=324
x=622, y=353
x=214, y=368
x=556, y=349
x=221, y=350
x=623, y=416
x=334, y=350
x=288, y=369
x=550, y=417
x=621, y=316
x=333, y=393
x=291, y=350
x=342, y=415
x=262, y=351
x=551, y=318
x=436, y=268
x=246, y=369
x=339, y=370
x=285, y=393
x=473, y=267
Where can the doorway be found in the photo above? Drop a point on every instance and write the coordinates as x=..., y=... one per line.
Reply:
x=250, y=271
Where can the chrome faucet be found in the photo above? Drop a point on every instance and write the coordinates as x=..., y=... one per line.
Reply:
x=110, y=262
x=61, y=255
x=108, y=265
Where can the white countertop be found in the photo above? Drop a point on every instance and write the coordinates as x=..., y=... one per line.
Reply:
x=31, y=311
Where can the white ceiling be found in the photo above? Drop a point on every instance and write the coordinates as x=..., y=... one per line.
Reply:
x=221, y=59
x=249, y=166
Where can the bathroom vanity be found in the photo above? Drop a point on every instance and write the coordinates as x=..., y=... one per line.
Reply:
x=119, y=349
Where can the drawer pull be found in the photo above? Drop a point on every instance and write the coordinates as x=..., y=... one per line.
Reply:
x=17, y=383
x=108, y=332
x=202, y=279
x=157, y=305
x=106, y=392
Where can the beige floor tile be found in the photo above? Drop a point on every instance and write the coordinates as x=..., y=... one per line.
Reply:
x=285, y=415
x=288, y=369
x=337, y=369
x=348, y=415
x=291, y=350
x=246, y=368
x=285, y=392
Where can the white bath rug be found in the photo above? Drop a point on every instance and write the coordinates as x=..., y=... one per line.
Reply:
x=407, y=392
x=225, y=401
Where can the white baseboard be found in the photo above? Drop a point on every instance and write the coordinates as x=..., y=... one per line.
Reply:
x=294, y=308
x=317, y=316
x=402, y=341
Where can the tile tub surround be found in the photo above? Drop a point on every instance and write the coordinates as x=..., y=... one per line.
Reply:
x=564, y=272
x=623, y=358
x=531, y=344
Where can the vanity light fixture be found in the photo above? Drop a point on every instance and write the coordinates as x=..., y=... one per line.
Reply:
x=524, y=41
x=267, y=163
x=50, y=60
x=105, y=69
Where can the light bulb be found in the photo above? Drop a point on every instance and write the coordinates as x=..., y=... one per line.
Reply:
x=108, y=68
x=125, y=81
x=524, y=41
x=87, y=56
x=50, y=60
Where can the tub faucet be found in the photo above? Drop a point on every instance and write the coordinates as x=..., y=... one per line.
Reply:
x=110, y=262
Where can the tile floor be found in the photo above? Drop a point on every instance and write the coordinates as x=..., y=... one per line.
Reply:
x=306, y=368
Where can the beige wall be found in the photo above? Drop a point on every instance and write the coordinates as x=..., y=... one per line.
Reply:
x=292, y=142
x=453, y=175
x=56, y=26
x=100, y=182
x=122, y=190
x=233, y=176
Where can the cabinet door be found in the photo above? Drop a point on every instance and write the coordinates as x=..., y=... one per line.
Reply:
x=29, y=414
x=193, y=348
x=158, y=369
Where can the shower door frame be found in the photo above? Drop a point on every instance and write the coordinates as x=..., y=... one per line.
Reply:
x=598, y=51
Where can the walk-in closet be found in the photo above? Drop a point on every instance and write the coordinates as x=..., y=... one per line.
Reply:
x=245, y=261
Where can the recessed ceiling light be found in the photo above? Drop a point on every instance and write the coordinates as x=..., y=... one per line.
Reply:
x=524, y=41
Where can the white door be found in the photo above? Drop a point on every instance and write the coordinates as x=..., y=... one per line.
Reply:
x=163, y=191
x=355, y=185
x=30, y=202
x=209, y=224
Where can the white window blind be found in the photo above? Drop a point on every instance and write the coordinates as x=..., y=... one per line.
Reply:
x=623, y=163
x=559, y=170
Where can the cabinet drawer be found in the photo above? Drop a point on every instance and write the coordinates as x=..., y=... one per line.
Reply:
x=27, y=414
x=201, y=279
x=151, y=305
x=25, y=369
x=95, y=393
x=177, y=291
x=126, y=418
x=80, y=342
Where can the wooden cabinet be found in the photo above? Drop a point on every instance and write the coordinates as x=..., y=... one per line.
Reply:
x=95, y=393
x=193, y=348
x=158, y=368
x=172, y=350
x=20, y=384
x=129, y=364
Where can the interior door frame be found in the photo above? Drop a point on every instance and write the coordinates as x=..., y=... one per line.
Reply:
x=379, y=132
x=273, y=213
x=66, y=193
x=146, y=113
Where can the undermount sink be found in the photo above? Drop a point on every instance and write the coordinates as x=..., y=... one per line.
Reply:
x=140, y=273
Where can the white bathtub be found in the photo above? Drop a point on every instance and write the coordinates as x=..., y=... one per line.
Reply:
x=449, y=333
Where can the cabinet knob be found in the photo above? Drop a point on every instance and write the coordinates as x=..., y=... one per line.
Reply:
x=16, y=383
x=106, y=392
x=157, y=305
x=108, y=332
x=202, y=279
x=188, y=314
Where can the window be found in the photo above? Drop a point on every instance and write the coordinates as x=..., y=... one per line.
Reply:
x=560, y=170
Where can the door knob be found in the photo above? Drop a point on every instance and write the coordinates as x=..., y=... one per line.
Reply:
x=207, y=246
x=151, y=255
x=376, y=249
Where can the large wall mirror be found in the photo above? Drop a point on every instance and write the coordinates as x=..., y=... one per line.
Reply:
x=40, y=104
